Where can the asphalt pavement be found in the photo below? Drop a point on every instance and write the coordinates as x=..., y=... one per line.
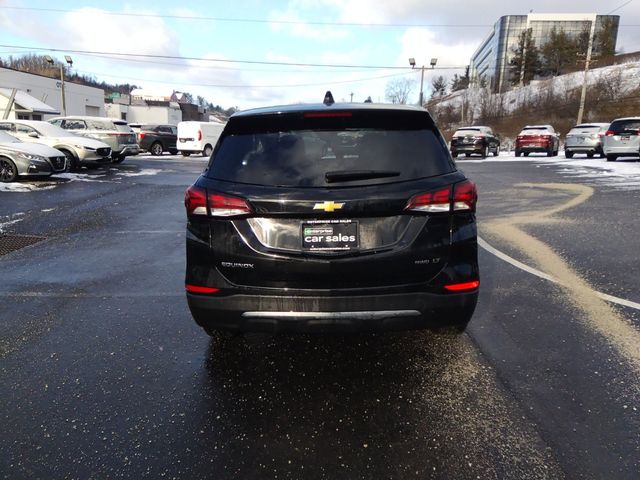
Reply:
x=103, y=373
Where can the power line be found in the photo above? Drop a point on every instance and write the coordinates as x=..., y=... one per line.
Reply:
x=256, y=20
x=222, y=85
x=224, y=60
x=618, y=8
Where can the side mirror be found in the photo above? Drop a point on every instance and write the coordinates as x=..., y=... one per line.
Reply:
x=33, y=135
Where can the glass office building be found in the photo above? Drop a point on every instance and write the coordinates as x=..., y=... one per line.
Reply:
x=491, y=59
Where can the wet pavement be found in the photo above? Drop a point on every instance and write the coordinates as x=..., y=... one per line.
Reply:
x=103, y=374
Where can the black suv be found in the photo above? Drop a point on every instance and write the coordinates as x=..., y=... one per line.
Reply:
x=157, y=139
x=329, y=217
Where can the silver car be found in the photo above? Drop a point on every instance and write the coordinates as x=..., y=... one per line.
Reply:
x=78, y=150
x=115, y=133
x=18, y=159
x=585, y=138
x=622, y=140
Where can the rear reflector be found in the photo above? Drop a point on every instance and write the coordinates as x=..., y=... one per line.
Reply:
x=199, y=135
x=610, y=133
x=200, y=289
x=460, y=287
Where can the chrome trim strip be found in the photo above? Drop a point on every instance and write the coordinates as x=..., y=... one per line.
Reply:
x=363, y=315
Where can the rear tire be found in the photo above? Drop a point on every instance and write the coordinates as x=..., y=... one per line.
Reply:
x=485, y=152
x=8, y=170
x=549, y=153
x=208, y=150
x=496, y=152
x=156, y=149
x=186, y=154
x=611, y=157
x=118, y=159
x=590, y=155
x=518, y=153
x=526, y=154
x=568, y=154
x=467, y=154
x=454, y=154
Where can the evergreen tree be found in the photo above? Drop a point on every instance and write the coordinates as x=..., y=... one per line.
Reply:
x=526, y=59
x=559, y=52
x=438, y=86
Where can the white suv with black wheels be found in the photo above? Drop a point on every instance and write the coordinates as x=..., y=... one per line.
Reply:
x=622, y=139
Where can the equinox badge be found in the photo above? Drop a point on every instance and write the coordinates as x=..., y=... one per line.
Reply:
x=328, y=206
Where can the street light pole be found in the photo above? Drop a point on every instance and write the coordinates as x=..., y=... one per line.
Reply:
x=412, y=62
x=64, y=100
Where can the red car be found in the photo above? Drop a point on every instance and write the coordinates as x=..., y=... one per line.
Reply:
x=538, y=138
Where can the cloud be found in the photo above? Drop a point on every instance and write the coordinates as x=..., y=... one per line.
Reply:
x=92, y=29
x=299, y=29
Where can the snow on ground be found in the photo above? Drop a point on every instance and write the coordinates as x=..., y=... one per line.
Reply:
x=144, y=171
x=26, y=186
x=6, y=223
x=622, y=174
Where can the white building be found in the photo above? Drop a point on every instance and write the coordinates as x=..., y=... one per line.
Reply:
x=80, y=99
x=153, y=112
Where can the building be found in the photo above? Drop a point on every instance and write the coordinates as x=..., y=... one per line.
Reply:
x=491, y=59
x=149, y=111
x=80, y=99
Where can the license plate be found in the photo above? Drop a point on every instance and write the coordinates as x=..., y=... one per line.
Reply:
x=625, y=138
x=329, y=236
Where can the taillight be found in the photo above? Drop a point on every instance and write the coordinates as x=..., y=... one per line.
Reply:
x=199, y=135
x=610, y=133
x=141, y=136
x=465, y=196
x=434, y=202
x=546, y=137
x=200, y=202
x=227, y=206
x=195, y=201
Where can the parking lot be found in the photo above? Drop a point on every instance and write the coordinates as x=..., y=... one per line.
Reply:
x=105, y=375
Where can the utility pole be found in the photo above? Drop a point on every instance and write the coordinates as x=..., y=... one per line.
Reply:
x=583, y=95
x=351, y=97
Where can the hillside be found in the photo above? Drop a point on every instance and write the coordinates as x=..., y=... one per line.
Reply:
x=612, y=91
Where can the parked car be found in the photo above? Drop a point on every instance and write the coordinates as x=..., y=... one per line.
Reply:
x=585, y=138
x=621, y=139
x=80, y=151
x=198, y=137
x=19, y=159
x=115, y=133
x=376, y=230
x=478, y=140
x=157, y=139
x=538, y=138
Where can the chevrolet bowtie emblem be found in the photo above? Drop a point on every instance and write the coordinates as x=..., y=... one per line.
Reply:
x=328, y=206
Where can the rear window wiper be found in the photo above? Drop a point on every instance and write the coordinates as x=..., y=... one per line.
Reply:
x=349, y=175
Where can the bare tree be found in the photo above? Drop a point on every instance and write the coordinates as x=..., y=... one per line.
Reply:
x=399, y=89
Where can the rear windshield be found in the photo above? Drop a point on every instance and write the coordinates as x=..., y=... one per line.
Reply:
x=367, y=149
x=123, y=127
x=535, y=128
x=630, y=127
x=466, y=131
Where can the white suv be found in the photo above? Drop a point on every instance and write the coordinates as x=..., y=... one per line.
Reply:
x=622, y=140
x=115, y=133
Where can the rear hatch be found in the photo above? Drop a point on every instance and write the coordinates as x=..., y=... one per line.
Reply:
x=466, y=137
x=624, y=133
x=309, y=201
x=534, y=138
x=584, y=135
x=125, y=134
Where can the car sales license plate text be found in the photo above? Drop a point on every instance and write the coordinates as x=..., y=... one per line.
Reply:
x=329, y=236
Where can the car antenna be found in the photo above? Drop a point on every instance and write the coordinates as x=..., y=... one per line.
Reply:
x=328, y=98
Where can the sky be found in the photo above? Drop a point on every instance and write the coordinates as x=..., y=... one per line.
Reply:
x=232, y=52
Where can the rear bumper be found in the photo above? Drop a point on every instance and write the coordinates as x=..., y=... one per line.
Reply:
x=279, y=313
x=627, y=151
x=534, y=147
